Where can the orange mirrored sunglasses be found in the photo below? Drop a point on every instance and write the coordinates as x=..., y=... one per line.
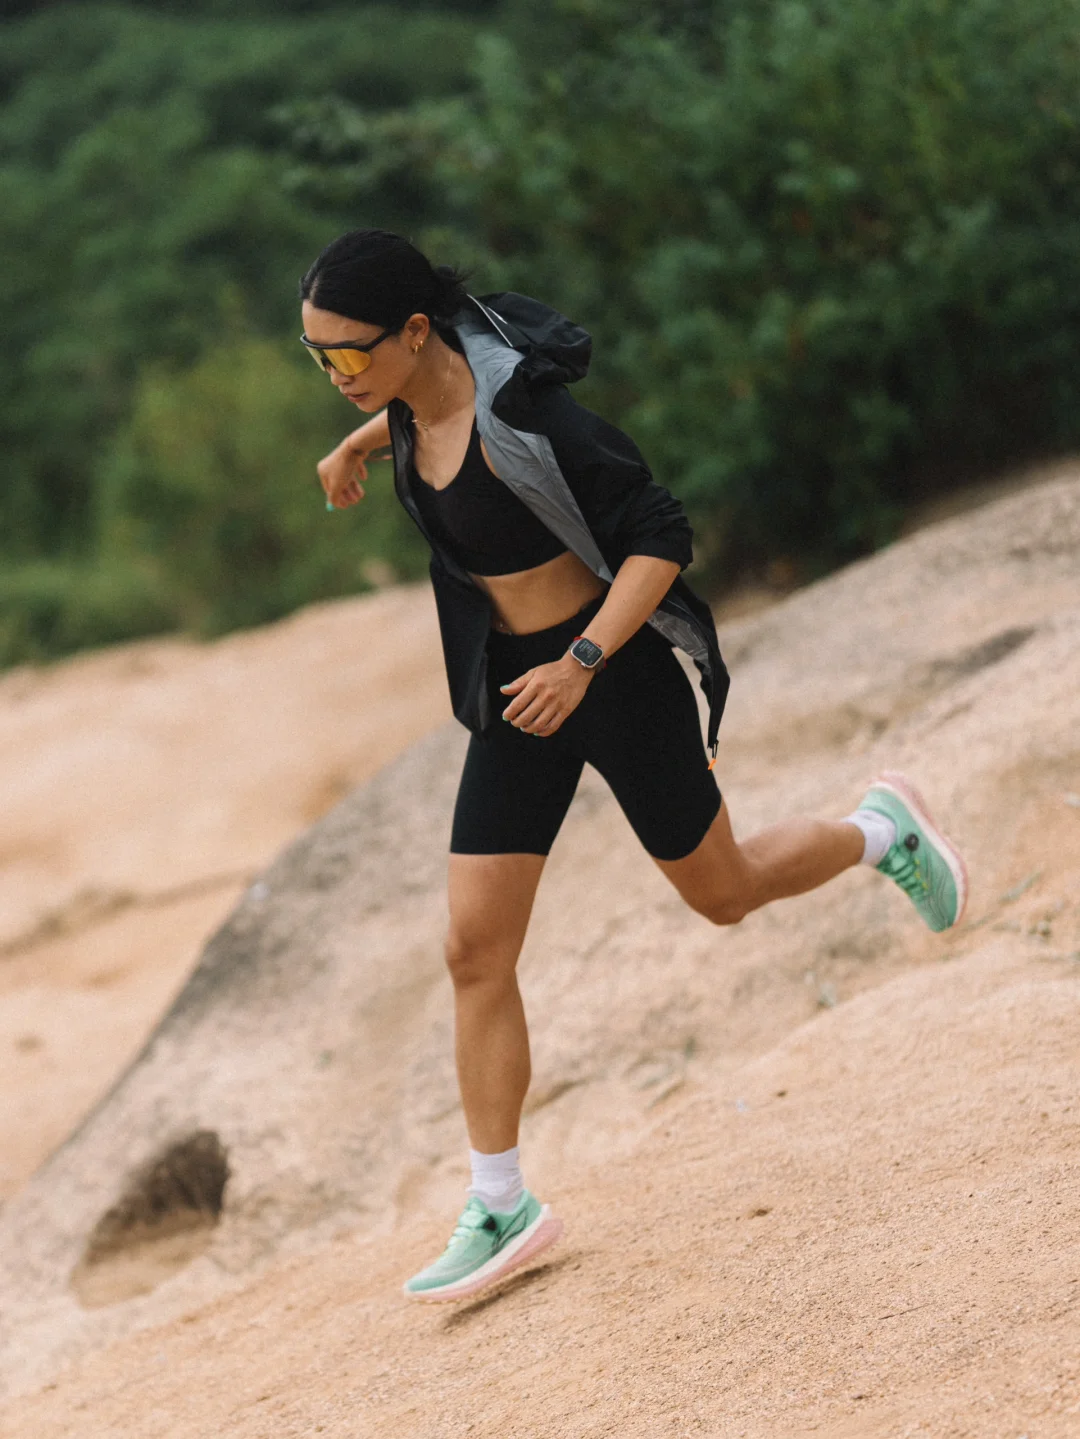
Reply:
x=348, y=358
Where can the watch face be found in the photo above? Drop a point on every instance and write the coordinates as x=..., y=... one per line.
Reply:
x=587, y=653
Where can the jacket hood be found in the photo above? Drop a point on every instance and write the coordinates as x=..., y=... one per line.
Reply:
x=556, y=350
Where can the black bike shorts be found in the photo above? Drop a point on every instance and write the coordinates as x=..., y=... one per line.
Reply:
x=637, y=724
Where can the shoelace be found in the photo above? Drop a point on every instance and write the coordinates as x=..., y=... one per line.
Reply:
x=905, y=869
x=471, y=1220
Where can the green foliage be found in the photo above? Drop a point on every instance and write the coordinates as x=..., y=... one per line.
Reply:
x=144, y=213
x=140, y=193
x=213, y=482
x=830, y=251
x=50, y=607
x=211, y=515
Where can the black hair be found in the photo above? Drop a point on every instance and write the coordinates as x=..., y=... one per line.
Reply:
x=381, y=279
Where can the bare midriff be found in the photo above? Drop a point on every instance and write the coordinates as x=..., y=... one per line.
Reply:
x=536, y=599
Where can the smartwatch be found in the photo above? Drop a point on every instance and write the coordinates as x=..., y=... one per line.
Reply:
x=588, y=653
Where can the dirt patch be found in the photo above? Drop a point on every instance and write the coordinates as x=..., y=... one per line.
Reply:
x=164, y=1219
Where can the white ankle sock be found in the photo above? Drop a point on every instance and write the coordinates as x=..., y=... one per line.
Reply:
x=496, y=1179
x=878, y=832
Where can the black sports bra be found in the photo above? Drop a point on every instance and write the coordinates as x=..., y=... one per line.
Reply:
x=480, y=520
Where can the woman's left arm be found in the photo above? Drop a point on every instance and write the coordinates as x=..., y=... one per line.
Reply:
x=640, y=585
x=543, y=697
x=639, y=527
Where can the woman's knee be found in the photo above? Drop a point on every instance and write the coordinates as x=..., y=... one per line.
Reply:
x=726, y=907
x=715, y=879
x=724, y=911
x=474, y=959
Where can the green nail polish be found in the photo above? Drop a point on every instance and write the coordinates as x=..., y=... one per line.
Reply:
x=329, y=504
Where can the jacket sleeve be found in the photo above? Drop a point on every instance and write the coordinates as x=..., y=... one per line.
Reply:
x=626, y=510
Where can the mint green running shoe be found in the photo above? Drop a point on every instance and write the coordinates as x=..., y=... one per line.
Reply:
x=484, y=1247
x=927, y=867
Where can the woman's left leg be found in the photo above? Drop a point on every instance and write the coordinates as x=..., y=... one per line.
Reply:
x=725, y=880
x=644, y=736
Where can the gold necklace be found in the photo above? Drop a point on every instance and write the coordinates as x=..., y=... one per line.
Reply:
x=426, y=424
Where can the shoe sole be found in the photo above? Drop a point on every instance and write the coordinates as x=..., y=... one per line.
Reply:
x=899, y=785
x=540, y=1235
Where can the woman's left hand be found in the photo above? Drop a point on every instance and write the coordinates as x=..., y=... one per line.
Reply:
x=544, y=696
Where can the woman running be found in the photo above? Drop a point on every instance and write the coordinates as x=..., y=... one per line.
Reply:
x=556, y=565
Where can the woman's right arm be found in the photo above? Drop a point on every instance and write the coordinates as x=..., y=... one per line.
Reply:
x=343, y=472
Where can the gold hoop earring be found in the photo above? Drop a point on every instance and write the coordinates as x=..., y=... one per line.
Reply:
x=417, y=348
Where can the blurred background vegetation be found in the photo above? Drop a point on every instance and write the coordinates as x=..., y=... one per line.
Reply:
x=829, y=250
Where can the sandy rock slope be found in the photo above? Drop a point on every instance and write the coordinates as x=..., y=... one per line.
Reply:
x=820, y=1172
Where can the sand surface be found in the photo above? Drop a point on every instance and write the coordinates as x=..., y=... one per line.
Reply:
x=820, y=1173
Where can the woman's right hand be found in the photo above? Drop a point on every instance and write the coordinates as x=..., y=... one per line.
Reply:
x=343, y=474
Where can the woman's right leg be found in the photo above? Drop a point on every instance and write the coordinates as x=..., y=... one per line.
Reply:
x=503, y=1225
x=491, y=898
x=514, y=794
